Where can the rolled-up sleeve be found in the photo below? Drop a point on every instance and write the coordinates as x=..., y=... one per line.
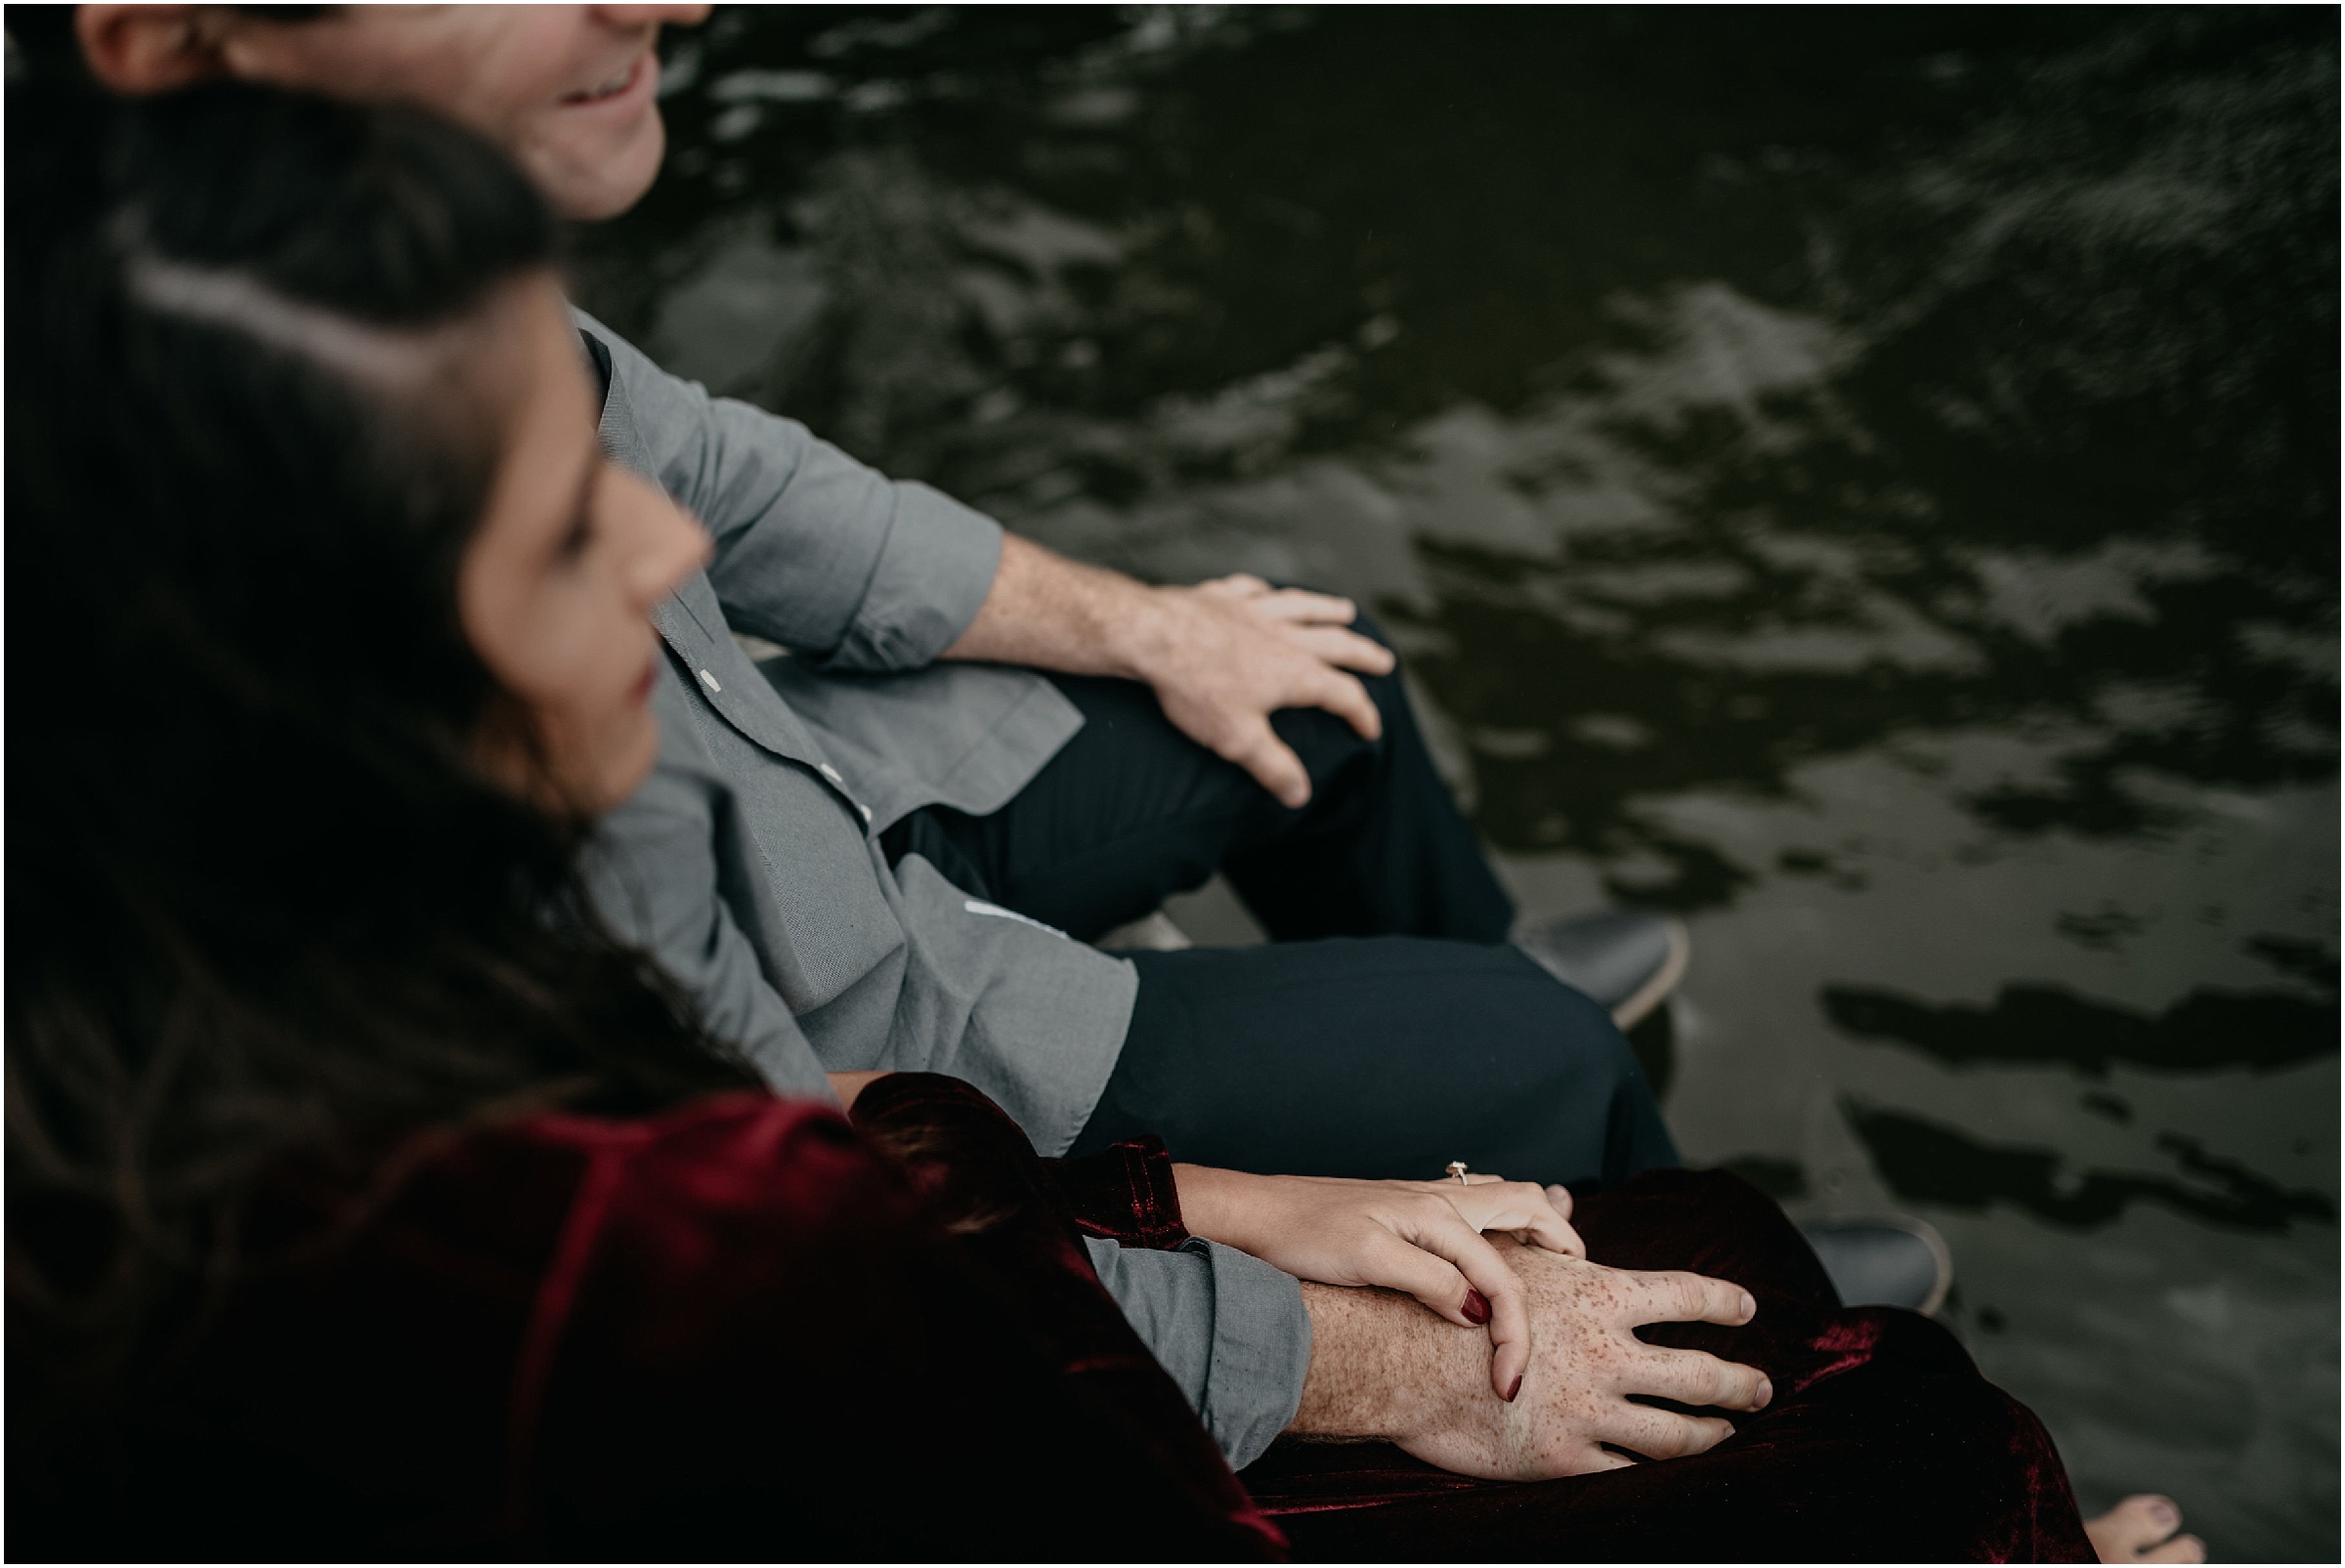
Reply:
x=1229, y=1329
x=812, y=550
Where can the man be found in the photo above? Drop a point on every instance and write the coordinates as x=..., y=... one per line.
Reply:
x=1079, y=801
x=857, y=858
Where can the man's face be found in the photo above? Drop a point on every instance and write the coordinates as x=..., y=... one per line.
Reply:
x=569, y=92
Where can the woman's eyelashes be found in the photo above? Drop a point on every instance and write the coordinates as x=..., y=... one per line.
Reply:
x=581, y=532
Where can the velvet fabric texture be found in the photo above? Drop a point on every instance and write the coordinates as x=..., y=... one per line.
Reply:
x=741, y=1330
x=1881, y=1442
x=732, y=1331
x=1124, y=1193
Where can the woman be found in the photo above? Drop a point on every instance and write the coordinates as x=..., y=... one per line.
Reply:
x=366, y=1198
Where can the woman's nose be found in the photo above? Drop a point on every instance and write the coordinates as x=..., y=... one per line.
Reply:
x=684, y=551
x=669, y=546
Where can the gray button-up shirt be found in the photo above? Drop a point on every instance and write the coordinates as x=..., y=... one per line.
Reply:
x=749, y=863
x=883, y=967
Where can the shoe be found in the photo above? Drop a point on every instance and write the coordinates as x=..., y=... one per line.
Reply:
x=1625, y=959
x=1150, y=933
x=1896, y=1260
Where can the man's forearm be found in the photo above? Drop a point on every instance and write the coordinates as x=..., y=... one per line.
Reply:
x=1381, y=1366
x=1049, y=613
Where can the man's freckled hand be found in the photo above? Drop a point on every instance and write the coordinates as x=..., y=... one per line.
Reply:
x=1575, y=1409
x=1224, y=655
x=1392, y=1370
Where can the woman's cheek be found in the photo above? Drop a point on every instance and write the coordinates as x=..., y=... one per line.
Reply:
x=629, y=732
x=624, y=747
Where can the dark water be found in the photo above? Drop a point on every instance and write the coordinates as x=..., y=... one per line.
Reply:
x=1865, y=480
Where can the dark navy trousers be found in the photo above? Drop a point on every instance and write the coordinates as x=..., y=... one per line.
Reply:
x=1385, y=1030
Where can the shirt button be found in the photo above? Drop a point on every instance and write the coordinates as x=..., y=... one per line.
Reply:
x=828, y=772
x=710, y=681
x=867, y=812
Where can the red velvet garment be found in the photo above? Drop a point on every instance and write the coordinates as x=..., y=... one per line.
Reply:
x=731, y=1331
x=739, y=1329
x=1882, y=1441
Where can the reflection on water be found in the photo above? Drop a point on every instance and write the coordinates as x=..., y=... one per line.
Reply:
x=2205, y=1030
x=1930, y=1163
x=1865, y=480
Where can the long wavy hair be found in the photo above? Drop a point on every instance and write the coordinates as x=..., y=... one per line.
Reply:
x=262, y=906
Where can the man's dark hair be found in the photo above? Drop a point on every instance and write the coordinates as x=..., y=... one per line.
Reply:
x=262, y=906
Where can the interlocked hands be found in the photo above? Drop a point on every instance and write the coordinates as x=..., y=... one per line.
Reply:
x=1424, y=1238
x=1553, y=1391
x=1574, y=1410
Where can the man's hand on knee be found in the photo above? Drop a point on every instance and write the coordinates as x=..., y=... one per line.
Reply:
x=1381, y=1366
x=1221, y=656
x=1225, y=655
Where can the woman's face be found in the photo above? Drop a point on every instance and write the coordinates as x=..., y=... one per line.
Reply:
x=556, y=589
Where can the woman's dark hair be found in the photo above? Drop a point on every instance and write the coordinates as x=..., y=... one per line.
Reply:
x=262, y=908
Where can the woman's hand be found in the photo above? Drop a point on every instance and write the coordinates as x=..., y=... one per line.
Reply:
x=847, y=1085
x=1421, y=1237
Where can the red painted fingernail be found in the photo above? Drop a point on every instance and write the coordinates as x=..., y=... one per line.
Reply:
x=1477, y=1307
x=1517, y=1390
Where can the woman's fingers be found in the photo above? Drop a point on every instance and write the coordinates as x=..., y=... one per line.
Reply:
x=1396, y=1263
x=1693, y=1377
x=1438, y=1232
x=1662, y=1434
x=1522, y=1207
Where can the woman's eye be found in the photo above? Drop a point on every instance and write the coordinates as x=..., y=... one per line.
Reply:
x=581, y=532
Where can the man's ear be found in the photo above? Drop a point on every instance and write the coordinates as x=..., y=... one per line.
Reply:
x=148, y=49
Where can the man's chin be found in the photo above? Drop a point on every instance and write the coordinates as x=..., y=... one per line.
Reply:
x=585, y=187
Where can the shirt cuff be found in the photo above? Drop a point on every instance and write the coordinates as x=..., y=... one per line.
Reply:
x=1126, y=1193
x=1228, y=1327
x=1261, y=1349
x=935, y=569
